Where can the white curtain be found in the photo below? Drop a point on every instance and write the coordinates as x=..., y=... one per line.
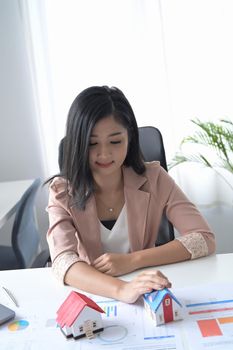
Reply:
x=172, y=59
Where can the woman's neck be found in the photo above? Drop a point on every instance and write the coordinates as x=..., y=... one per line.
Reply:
x=109, y=184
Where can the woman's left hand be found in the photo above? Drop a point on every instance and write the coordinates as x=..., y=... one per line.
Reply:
x=114, y=264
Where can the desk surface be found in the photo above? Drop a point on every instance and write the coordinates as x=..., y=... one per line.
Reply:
x=37, y=289
x=41, y=282
x=10, y=194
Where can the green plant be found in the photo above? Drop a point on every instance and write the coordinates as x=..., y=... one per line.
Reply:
x=216, y=136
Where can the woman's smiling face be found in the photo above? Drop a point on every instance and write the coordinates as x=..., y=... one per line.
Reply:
x=108, y=146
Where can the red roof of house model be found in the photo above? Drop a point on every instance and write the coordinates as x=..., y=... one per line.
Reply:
x=72, y=306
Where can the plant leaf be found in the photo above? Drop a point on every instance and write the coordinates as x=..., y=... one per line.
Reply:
x=216, y=136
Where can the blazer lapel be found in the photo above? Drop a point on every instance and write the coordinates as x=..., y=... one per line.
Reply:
x=89, y=228
x=137, y=202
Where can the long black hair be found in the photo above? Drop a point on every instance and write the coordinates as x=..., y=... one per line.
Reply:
x=91, y=105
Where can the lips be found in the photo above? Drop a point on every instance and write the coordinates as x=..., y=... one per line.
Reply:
x=104, y=165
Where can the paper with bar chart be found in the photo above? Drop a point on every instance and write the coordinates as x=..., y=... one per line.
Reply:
x=129, y=327
x=209, y=317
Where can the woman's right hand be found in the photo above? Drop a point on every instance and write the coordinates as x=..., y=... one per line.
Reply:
x=144, y=282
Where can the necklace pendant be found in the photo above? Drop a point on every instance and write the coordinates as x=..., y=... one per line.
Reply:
x=110, y=209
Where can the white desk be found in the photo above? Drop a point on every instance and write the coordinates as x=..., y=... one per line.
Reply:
x=10, y=194
x=41, y=282
x=36, y=290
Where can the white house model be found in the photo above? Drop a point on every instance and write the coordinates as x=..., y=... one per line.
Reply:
x=162, y=306
x=79, y=316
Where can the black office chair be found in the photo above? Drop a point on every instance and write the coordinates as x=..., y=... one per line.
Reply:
x=152, y=148
x=25, y=238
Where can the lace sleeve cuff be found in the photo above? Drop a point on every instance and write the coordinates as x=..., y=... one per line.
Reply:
x=195, y=243
x=62, y=263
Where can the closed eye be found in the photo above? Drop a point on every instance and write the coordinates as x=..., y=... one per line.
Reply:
x=112, y=142
x=115, y=142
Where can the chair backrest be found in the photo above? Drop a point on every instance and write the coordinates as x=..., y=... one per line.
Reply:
x=152, y=148
x=25, y=235
x=151, y=144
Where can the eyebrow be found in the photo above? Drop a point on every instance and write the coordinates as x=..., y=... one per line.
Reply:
x=113, y=134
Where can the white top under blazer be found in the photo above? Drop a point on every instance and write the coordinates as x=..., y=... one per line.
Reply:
x=116, y=240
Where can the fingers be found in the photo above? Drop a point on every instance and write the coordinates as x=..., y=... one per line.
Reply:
x=98, y=260
x=101, y=263
x=144, y=282
x=152, y=279
x=102, y=267
x=103, y=259
x=111, y=264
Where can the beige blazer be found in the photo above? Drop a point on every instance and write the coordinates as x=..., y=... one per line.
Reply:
x=146, y=196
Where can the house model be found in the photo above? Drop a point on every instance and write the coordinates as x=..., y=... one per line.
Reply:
x=162, y=306
x=79, y=316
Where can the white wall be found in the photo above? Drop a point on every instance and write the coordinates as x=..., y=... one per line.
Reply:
x=20, y=150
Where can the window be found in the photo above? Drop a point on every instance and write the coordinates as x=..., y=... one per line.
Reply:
x=161, y=47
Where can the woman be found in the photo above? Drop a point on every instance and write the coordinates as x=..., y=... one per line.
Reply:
x=106, y=205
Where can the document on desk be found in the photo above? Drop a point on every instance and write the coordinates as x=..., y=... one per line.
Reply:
x=125, y=327
x=207, y=324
